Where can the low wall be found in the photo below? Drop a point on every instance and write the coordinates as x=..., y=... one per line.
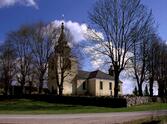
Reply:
x=137, y=100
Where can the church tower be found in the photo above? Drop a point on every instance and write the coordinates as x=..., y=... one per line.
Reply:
x=62, y=69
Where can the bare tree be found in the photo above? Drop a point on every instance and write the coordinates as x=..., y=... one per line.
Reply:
x=141, y=56
x=20, y=42
x=139, y=62
x=153, y=56
x=118, y=21
x=42, y=39
x=7, y=61
x=162, y=69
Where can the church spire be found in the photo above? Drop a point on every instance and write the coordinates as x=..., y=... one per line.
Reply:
x=62, y=38
x=62, y=46
x=62, y=27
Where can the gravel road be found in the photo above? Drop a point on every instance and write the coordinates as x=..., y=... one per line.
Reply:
x=90, y=118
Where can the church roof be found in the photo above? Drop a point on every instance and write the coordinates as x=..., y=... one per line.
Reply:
x=83, y=74
x=94, y=74
x=99, y=74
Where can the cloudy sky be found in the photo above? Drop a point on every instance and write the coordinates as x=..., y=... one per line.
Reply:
x=14, y=13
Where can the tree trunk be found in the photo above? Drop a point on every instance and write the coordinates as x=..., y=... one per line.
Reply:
x=6, y=88
x=22, y=85
x=140, y=89
x=30, y=87
x=61, y=84
x=165, y=87
x=60, y=90
x=160, y=88
x=41, y=84
x=151, y=86
x=40, y=87
x=116, y=76
x=22, y=89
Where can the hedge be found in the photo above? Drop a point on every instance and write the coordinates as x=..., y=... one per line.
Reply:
x=75, y=100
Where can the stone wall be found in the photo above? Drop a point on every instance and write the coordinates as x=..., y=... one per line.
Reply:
x=131, y=100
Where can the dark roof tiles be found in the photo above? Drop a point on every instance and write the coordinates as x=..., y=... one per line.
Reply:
x=83, y=74
x=95, y=74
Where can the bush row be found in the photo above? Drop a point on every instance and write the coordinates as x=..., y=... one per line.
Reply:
x=75, y=100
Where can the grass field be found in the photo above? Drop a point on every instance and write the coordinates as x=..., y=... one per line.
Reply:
x=25, y=106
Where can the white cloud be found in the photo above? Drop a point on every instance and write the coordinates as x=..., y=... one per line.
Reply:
x=128, y=86
x=98, y=60
x=7, y=3
x=79, y=31
x=76, y=29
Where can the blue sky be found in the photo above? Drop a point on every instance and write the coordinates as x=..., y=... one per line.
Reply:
x=159, y=9
x=14, y=15
x=11, y=17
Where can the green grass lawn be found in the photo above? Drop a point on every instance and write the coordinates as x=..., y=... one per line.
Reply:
x=25, y=106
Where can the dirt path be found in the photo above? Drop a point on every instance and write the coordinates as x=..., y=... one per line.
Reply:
x=92, y=118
